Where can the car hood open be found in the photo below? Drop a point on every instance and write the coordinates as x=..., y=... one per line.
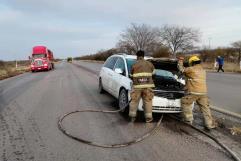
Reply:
x=165, y=64
x=166, y=82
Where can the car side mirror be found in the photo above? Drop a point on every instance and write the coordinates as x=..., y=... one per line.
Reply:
x=119, y=70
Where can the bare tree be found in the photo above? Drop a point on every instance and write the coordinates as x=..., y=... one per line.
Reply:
x=179, y=39
x=237, y=45
x=139, y=37
x=162, y=51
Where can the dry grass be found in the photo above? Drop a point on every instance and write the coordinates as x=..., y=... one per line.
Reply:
x=235, y=130
x=228, y=67
x=8, y=69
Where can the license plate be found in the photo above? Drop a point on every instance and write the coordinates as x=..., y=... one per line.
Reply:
x=39, y=68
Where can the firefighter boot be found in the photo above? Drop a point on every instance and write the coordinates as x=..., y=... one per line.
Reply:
x=132, y=119
x=148, y=120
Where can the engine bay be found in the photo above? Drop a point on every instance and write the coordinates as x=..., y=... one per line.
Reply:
x=169, y=81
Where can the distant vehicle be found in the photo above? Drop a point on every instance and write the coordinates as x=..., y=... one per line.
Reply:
x=115, y=79
x=42, y=59
x=69, y=59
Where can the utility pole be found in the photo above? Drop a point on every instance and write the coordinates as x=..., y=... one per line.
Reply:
x=209, y=47
x=16, y=64
x=209, y=43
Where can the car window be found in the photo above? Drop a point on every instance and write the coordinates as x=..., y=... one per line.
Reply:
x=110, y=62
x=121, y=64
x=130, y=62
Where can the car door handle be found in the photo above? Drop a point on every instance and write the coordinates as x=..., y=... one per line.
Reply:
x=110, y=74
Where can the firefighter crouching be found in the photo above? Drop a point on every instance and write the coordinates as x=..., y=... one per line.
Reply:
x=141, y=73
x=196, y=92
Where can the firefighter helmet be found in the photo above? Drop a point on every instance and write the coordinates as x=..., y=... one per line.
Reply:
x=193, y=59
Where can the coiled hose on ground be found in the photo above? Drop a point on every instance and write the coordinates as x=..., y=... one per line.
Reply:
x=136, y=140
x=118, y=145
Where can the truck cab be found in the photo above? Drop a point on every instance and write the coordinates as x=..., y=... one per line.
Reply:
x=42, y=59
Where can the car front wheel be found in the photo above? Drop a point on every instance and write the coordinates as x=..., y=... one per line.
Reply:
x=123, y=100
x=101, y=89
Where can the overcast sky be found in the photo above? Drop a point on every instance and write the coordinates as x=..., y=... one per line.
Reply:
x=77, y=27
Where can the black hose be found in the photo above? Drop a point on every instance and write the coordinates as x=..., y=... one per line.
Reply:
x=232, y=154
x=118, y=145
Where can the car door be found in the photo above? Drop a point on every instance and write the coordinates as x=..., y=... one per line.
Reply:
x=120, y=80
x=107, y=73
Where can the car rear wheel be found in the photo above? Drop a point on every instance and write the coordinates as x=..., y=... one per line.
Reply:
x=101, y=89
x=123, y=100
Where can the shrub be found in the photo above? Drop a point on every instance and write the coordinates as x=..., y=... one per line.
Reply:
x=69, y=59
x=162, y=52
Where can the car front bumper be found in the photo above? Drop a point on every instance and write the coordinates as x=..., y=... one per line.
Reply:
x=163, y=105
x=39, y=68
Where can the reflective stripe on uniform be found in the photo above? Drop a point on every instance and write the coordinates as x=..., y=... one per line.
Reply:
x=148, y=115
x=132, y=113
x=142, y=75
x=188, y=117
x=197, y=93
x=144, y=86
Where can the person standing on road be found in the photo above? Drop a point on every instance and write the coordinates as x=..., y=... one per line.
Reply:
x=196, y=92
x=220, y=61
x=141, y=73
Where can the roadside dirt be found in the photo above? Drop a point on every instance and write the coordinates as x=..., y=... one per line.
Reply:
x=13, y=73
x=223, y=132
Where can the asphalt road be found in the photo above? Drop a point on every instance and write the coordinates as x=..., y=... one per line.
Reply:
x=225, y=91
x=30, y=105
x=224, y=88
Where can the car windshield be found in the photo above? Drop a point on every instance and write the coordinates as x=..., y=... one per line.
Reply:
x=163, y=73
x=39, y=55
x=158, y=72
x=130, y=62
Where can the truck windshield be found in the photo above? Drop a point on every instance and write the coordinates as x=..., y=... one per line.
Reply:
x=39, y=56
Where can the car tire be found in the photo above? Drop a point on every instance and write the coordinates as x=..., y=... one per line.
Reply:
x=101, y=89
x=123, y=102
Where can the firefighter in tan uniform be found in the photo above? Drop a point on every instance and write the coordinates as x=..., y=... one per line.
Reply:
x=196, y=92
x=141, y=73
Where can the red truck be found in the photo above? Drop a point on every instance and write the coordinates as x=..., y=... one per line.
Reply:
x=42, y=59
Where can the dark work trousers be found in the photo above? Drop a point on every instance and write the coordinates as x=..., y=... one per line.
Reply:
x=220, y=67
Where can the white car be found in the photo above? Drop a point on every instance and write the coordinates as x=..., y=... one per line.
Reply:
x=114, y=78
